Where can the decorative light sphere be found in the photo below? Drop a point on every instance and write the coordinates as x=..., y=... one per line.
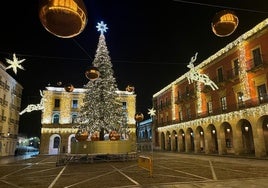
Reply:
x=69, y=87
x=81, y=135
x=224, y=23
x=113, y=135
x=92, y=73
x=130, y=88
x=63, y=18
x=139, y=117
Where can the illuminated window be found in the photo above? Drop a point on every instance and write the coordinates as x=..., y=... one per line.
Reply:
x=223, y=103
x=240, y=100
x=180, y=116
x=75, y=104
x=209, y=107
x=236, y=67
x=262, y=93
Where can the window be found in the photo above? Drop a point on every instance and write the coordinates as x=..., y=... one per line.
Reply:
x=166, y=101
x=57, y=103
x=75, y=104
x=220, y=74
x=187, y=91
x=167, y=118
x=223, y=103
x=209, y=107
x=236, y=67
x=189, y=113
x=74, y=116
x=180, y=116
x=257, y=56
x=124, y=105
x=56, y=142
x=262, y=93
x=56, y=118
x=240, y=100
x=73, y=139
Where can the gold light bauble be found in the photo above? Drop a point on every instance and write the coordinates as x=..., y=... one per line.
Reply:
x=139, y=117
x=95, y=136
x=69, y=87
x=114, y=135
x=224, y=23
x=63, y=18
x=92, y=73
x=130, y=88
x=81, y=135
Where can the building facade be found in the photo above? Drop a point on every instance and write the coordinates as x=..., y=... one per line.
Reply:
x=231, y=119
x=10, y=104
x=60, y=110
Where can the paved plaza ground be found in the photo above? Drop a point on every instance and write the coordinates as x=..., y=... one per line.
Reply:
x=169, y=170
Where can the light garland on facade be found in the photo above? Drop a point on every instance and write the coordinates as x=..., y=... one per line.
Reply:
x=243, y=76
x=65, y=108
x=173, y=102
x=58, y=130
x=256, y=111
x=199, y=98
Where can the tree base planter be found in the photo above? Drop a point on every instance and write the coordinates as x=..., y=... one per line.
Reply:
x=102, y=147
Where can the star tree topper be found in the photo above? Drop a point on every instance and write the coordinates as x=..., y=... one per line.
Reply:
x=15, y=63
x=102, y=27
x=151, y=112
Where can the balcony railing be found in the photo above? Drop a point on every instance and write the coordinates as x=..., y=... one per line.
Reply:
x=256, y=65
x=254, y=102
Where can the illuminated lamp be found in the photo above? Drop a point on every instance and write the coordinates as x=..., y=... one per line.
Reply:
x=69, y=87
x=224, y=23
x=92, y=73
x=139, y=117
x=63, y=18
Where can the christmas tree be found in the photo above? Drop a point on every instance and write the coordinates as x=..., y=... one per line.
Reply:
x=102, y=111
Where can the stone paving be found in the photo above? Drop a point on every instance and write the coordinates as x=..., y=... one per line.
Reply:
x=169, y=170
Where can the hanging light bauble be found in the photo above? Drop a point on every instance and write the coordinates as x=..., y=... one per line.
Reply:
x=224, y=23
x=130, y=88
x=81, y=135
x=139, y=117
x=92, y=73
x=63, y=18
x=69, y=87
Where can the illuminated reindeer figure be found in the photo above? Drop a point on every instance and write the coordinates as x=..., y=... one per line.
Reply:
x=32, y=107
x=193, y=75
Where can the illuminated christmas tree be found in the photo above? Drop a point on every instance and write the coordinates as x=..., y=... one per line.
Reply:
x=102, y=111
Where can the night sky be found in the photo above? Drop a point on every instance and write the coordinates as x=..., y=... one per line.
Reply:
x=150, y=44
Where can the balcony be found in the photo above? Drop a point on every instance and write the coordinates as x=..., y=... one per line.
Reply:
x=253, y=102
x=254, y=66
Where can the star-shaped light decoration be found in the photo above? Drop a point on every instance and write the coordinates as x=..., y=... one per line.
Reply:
x=102, y=27
x=15, y=63
x=152, y=112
